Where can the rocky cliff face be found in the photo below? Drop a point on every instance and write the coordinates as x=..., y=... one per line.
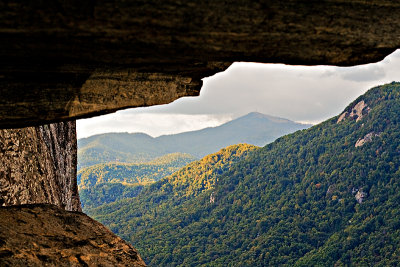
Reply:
x=359, y=110
x=44, y=235
x=38, y=165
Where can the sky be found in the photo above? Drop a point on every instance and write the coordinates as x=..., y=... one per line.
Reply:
x=307, y=94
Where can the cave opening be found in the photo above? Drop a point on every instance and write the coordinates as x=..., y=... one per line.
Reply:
x=63, y=61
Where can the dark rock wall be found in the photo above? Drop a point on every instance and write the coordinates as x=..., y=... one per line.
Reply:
x=73, y=95
x=38, y=165
x=71, y=59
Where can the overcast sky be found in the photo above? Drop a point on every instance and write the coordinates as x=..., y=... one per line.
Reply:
x=299, y=93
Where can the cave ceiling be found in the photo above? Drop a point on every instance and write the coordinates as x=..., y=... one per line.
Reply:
x=63, y=60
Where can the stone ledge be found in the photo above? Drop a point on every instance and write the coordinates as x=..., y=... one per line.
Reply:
x=43, y=234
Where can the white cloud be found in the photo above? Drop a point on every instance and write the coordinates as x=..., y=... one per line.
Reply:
x=364, y=73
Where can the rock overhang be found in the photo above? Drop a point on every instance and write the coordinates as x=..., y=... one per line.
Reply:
x=63, y=60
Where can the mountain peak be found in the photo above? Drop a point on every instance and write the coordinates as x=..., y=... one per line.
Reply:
x=255, y=113
x=258, y=115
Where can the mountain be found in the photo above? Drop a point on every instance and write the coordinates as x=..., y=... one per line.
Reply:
x=253, y=128
x=325, y=196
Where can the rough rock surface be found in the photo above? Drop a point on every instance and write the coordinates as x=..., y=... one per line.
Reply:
x=360, y=196
x=101, y=92
x=367, y=138
x=357, y=112
x=45, y=235
x=68, y=59
x=38, y=165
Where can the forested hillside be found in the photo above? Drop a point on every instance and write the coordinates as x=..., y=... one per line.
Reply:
x=183, y=185
x=100, y=194
x=108, y=182
x=253, y=128
x=325, y=196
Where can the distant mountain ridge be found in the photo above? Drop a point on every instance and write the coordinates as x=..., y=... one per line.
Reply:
x=254, y=128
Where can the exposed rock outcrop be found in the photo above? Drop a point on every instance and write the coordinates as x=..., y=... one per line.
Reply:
x=360, y=196
x=45, y=235
x=69, y=59
x=212, y=198
x=367, y=138
x=357, y=112
x=38, y=165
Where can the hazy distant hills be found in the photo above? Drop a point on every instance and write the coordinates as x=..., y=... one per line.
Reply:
x=325, y=196
x=253, y=128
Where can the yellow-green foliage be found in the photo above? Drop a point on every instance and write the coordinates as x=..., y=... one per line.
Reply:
x=185, y=184
x=202, y=175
